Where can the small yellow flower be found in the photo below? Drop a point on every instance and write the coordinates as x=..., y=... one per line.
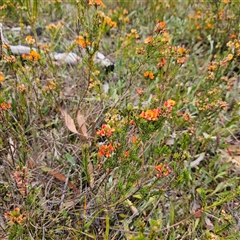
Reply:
x=230, y=57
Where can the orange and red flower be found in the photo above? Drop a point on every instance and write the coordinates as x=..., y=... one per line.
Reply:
x=151, y=115
x=4, y=106
x=106, y=150
x=163, y=170
x=106, y=130
x=15, y=216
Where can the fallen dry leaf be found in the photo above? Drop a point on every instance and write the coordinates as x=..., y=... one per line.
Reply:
x=69, y=121
x=197, y=161
x=62, y=178
x=231, y=154
x=82, y=126
x=208, y=224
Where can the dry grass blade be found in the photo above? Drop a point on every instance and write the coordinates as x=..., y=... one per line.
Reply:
x=90, y=172
x=69, y=121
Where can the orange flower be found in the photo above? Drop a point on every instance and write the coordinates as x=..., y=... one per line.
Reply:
x=134, y=139
x=80, y=40
x=106, y=150
x=4, y=106
x=212, y=67
x=181, y=50
x=148, y=40
x=160, y=28
x=151, y=115
x=149, y=74
x=209, y=26
x=33, y=55
x=170, y=103
x=146, y=74
x=96, y=3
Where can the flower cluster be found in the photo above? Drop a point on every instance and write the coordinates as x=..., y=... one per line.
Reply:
x=151, y=115
x=165, y=111
x=112, y=118
x=96, y=3
x=15, y=216
x=123, y=18
x=160, y=28
x=107, y=20
x=148, y=40
x=163, y=170
x=4, y=106
x=53, y=26
x=32, y=56
x=234, y=46
x=82, y=41
x=106, y=150
x=9, y=59
x=51, y=85
x=149, y=74
x=169, y=104
x=161, y=62
x=140, y=51
x=133, y=34
x=106, y=130
x=22, y=178
x=21, y=88
x=203, y=22
x=30, y=40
